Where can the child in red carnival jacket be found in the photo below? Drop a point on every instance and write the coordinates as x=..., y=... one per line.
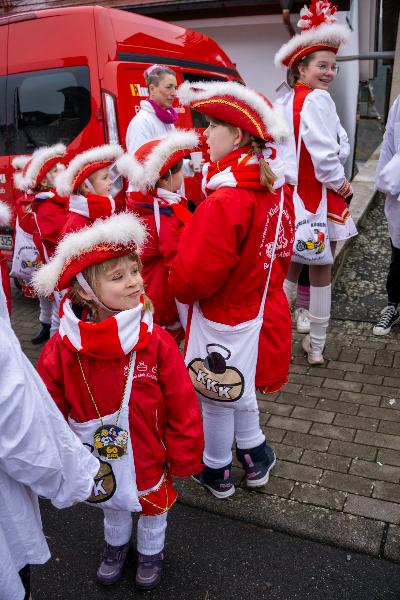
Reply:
x=122, y=384
x=156, y=170
x=223, y=269
x=49, y=209
x=25, y=253
x=86, y=182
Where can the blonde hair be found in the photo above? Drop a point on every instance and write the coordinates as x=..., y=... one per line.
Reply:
x=267, y=176
x=92, y=274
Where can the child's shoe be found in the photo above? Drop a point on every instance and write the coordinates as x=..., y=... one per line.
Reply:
x=217, y=481
x=42, y=335
x=302, y=320
x=258, y=463
x=112, y=563
x=314, y=355
x=149, y=570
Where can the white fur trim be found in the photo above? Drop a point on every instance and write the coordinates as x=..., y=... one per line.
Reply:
x=5, y=214
x=123, y=228
x=335, y=34
x=272, y=117
x=65, y=180
x=145, y=175
x=19, y=162
x=38, y=158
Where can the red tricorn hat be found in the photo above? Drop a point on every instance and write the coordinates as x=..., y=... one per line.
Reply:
x=238, y=105
x=84, y=164
x=39, y=164
x=319, y=32
x=155, y=158
x=105, y=239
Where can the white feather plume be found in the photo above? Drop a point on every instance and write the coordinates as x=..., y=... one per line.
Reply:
x=5, y=214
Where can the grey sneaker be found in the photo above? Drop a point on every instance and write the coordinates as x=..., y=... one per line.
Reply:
x=112, y=563
x=149, y=570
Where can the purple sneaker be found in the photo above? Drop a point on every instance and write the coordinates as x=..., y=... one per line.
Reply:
x=112, y=563
x=149, y=570
x=217, y=481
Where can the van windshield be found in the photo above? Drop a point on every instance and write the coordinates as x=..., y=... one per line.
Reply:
x=46, y=107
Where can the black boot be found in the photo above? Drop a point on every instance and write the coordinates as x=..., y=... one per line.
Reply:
x=257, y=463
x=43, y=335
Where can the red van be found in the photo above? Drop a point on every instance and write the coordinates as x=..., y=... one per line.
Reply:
x=75, y=75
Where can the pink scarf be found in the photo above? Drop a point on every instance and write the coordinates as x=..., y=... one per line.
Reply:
x=166, y=115
x=112, y=338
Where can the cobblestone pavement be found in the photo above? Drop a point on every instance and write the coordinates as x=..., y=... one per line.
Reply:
x=335, y=429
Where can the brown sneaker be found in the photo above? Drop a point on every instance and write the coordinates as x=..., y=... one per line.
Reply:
x=149, y=570
x=112, y=563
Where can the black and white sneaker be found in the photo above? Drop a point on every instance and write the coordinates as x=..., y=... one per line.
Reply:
x=389, y=316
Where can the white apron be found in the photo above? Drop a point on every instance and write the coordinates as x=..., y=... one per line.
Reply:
x=312, y=244
x=115, y=487
x=221, y=359
x=25, y=256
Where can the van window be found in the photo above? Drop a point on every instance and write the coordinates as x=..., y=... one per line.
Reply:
x=199, y=120
x=3, y=151
x=46, y=107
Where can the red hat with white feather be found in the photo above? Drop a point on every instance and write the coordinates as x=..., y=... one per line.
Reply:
x=320, y=31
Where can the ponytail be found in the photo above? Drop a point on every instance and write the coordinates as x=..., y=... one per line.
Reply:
x=267, y=176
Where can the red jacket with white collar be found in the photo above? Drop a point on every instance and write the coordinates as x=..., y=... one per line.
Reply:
x=50, y=215
x=157, y=255
x=164, y=416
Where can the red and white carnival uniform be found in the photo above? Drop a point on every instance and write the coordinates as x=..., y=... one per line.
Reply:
x=313, y=113
x=161, y=246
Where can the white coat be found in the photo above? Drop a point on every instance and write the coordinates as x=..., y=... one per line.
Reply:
x=146, y=126
x=39, y=455
x=324, y=137
x=387, y=179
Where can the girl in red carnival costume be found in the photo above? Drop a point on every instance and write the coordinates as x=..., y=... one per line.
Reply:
x=48, y=208
x=87, y=184
x=313, y=164
x=223, y=269
x=156, y=169
x=121, y=382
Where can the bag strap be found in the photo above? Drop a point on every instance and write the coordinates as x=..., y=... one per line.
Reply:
x=278, y=226
x=46, y=256
x=129, y=381
x=157, y=219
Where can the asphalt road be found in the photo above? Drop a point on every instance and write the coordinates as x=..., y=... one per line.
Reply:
x=210, y=558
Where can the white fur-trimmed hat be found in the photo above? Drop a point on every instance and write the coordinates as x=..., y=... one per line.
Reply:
x=39, y=164
x=105, y=239
x=320, y=31
x=83, y=165
x=237, y=104
x=5, y=214
x=155, y=158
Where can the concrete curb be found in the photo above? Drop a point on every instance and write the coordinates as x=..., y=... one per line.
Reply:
x=364, y=193
x=351, y=532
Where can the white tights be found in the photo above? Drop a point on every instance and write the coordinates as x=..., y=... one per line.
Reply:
x=221, y=424
x=150, y=530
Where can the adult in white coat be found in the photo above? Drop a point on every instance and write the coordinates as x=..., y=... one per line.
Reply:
x=156, y=116
x=388, y=181
x=39, y=455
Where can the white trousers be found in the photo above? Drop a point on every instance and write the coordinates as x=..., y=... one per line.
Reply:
x=150, y=530
x=45, y=310
x=221, y=425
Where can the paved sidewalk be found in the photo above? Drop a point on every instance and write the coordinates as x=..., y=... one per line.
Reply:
x=336, y=432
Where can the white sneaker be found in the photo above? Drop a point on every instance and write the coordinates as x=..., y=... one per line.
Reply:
x=314, y=357
x=302, y=320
